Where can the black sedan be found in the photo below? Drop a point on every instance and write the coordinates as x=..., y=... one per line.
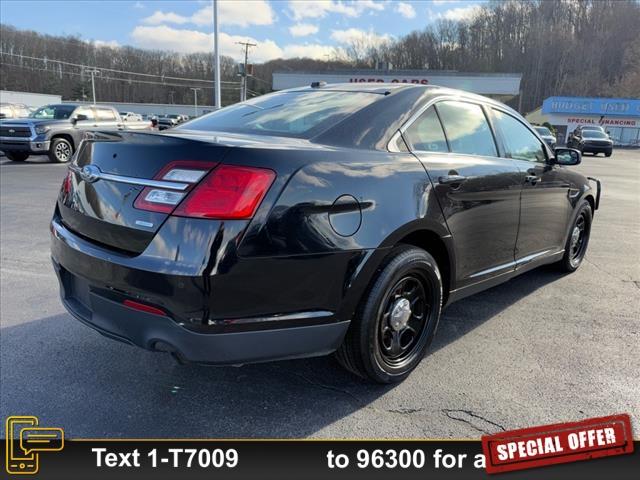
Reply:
x=336, y=218
x=592, y=141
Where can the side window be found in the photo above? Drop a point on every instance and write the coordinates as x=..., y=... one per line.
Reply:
x=520, y=142
x=88, y=112
x=426, y=133
x=467, y=128
x=105, y=114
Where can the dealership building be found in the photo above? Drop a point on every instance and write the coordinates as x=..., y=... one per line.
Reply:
x=502, y=86
x=618, y=116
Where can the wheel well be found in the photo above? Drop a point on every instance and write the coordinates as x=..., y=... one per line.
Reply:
x=592, y=203
x=432, y=243
x=67, y=137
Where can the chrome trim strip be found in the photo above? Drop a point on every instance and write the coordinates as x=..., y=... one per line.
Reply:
x=272, y=318
x=515, y=264
x=145, y=182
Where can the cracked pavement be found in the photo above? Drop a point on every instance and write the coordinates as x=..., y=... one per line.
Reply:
x=542, y=348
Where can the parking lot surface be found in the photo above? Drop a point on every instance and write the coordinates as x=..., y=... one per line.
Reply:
x=542, y=348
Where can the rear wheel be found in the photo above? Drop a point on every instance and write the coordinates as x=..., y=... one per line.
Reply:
x=17, y=156
x=576, y=247
x=61, y=150
x=396, y=319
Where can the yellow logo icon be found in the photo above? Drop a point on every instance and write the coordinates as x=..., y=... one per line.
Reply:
x=25, y=441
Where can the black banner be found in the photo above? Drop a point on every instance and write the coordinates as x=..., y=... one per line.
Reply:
x=294, y=460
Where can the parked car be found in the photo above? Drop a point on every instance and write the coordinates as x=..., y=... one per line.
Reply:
x=166, y=122
x=130, y=117
x=340, y=217
x=546, y=135
x=591, y=141
x=56, y=130
x=14, y=110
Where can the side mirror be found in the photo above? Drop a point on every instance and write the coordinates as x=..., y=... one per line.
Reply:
x=567, y=156
x=79, y=118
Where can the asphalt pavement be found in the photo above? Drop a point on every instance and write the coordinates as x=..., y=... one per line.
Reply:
x=542, y=348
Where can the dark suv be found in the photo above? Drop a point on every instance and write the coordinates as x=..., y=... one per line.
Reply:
x=341, y=217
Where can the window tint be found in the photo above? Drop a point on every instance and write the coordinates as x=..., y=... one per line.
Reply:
x=426, y=133
x=467, y=128
x=88, y=112
x=295, y=114
x=105, y=114
x=519, y=141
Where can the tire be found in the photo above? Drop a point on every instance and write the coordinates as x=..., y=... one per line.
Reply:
x=396, y=319
x=578, y=240
x=61, y=150
x=17, y=156
x=608, y=154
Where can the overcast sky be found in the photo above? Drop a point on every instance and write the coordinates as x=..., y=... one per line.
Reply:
x=280, y=28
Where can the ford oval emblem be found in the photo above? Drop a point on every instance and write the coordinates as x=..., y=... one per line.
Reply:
x=90, y=173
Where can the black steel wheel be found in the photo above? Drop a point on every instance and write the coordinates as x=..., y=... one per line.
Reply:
x=578, y=239
x=397, y=318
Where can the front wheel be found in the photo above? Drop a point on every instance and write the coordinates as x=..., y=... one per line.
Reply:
x=61, y=150
x=607, y=154
x=396, y=319
x=576, y=246
x=17, y=156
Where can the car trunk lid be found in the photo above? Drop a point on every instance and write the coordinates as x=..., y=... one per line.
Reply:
x=108, y=174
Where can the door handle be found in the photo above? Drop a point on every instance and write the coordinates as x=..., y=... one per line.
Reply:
x=532, y=179
x=451, y=179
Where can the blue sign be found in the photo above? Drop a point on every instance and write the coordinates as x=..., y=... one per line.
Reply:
x=592, y=106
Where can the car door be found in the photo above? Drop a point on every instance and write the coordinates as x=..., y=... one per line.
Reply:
x=107, y=119
x=545, y=206
x=90, y=121
x=478, y=191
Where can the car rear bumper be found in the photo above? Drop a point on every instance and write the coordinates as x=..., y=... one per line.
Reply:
x=94, y=287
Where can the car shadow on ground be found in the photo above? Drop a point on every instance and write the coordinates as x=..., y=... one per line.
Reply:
x=62, y=371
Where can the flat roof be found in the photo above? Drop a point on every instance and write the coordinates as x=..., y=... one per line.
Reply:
x=397, y=72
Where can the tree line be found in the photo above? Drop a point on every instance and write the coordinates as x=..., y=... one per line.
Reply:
x=563, y=47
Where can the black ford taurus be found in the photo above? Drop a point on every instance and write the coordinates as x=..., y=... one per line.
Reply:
x=336, y=218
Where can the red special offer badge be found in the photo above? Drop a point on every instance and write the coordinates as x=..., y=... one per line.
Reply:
x=559, y=443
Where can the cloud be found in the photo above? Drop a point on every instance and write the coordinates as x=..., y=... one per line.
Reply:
x=355, y=35
x=190, y=41
x=257, y=12
x=303, y=29
x=159, y=17
x=138, y=5
x=315, y=51
x=406, y=10
x=461, y=13
x=301, y=9
x=103, y=43
x=181, y=40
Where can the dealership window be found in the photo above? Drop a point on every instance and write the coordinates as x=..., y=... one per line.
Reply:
x=520, y=142
x=467, y=128
x=426, y=134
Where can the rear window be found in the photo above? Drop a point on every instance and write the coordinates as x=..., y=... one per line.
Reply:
x=294, y=114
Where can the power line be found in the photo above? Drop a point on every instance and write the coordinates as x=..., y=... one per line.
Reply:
x=128, y=80
x=79, y=65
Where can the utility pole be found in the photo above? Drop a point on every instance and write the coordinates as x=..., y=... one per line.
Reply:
x=195, y=99
x=243, y=91
x=93, y=72
x=216, y=57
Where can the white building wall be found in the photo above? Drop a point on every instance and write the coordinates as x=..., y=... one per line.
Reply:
x=34, y=100
x=488, y=84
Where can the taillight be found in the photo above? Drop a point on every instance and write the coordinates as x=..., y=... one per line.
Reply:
x=228, y=192
x=143, y=307
x=165, y=200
